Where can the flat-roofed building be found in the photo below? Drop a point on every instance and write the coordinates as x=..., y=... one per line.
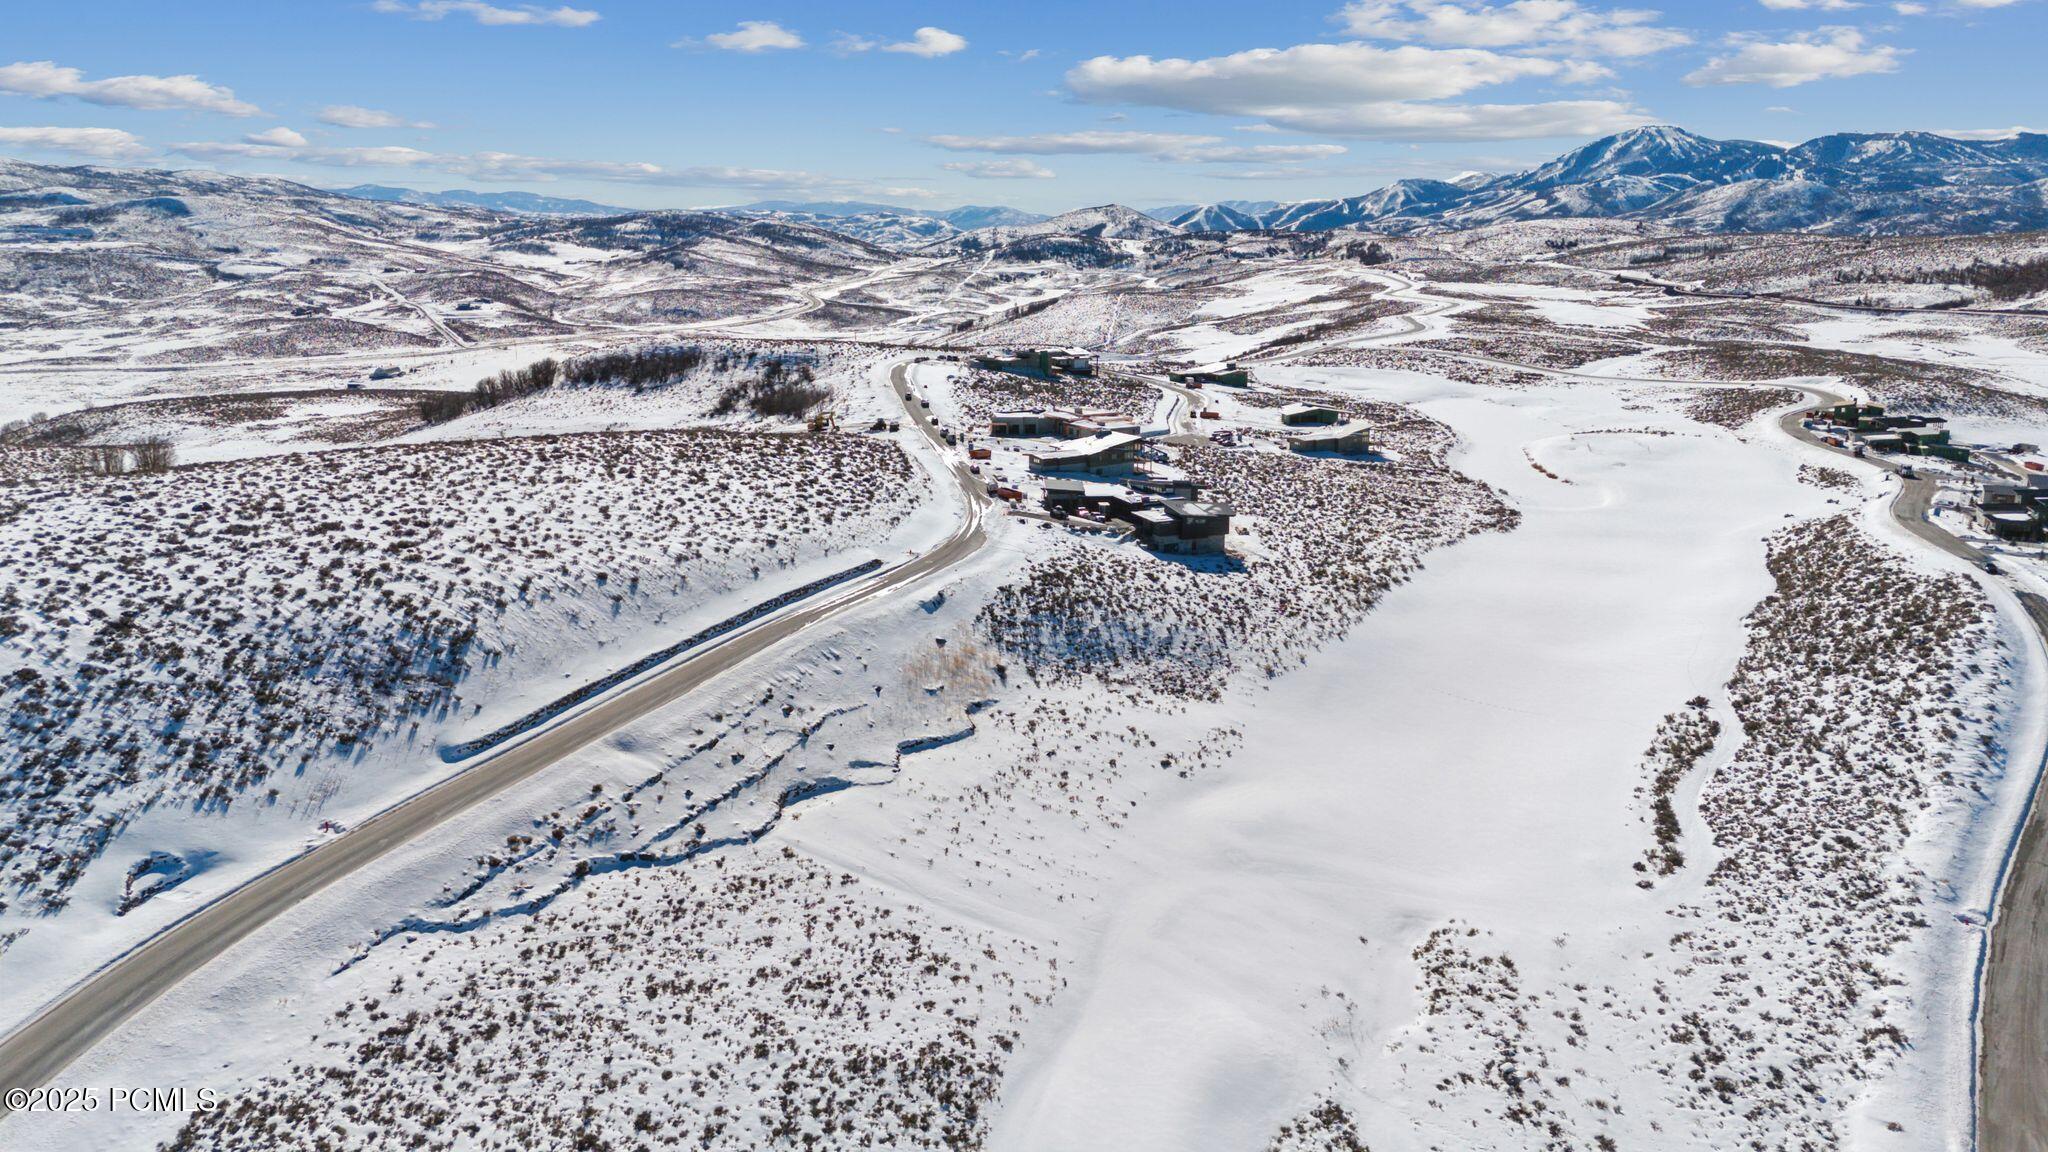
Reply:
x=1300, y=414
x=1198, y=526
x=1350, y=439
x=1106, y=453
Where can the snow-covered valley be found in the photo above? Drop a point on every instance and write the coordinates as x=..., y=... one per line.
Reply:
x=1585, y=762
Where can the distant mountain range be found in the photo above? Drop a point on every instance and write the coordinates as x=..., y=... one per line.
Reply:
x=522, y=203
x=1876, y=183
x=1880, y=183
x=965, y=218
x=889, y=225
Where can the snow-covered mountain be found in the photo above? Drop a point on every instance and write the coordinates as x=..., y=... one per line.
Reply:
x=1401, y=198
x=885, y=228
x=1215, y=218
x=964, y=218
x=207, y=265
x=1256, y=209
x=522, y=203
x=886, y=225
x=1892, y=182
x=1102, y=235
x=1102, y=222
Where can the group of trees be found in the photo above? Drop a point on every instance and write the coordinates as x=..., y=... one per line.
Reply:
x=637, y=368
x=1014, y=312
x=491, y=391
x=2011, y=281
x=1370, y=253
x=779, y=391
x=152, y=455
x=783, y=388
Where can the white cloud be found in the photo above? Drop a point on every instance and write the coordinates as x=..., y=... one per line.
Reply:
x=1405, y=121
x=47, y=80
x=352, y=116
x=929, y=42
x=1268, y=153
x=755, y=36
x=1172, y=146
x=1307, y=75
x=1826, y=54
x=1001, y=169
x=491, y=14
x=1910, y=9
x=1075, y=143
x=279, y=137
x=1357, y=90
x=1984, y=133
x=1544, y=25
x=100, y=143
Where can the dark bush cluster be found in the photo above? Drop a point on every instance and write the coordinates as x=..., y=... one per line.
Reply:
x=779, y=392
x=2004, y=280
x=509, y=385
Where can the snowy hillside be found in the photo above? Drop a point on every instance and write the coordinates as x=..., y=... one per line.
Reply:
x=1902, y=183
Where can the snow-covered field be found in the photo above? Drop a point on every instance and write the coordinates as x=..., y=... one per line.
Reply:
x=1587, y=766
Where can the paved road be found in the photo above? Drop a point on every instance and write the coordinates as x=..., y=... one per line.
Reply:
x=1916, y=494
x=2012, y=1099
x=449, y=334
x=36, y=1052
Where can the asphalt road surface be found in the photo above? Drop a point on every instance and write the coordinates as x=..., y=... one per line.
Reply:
x=2012, y=1100
x=36, y=1052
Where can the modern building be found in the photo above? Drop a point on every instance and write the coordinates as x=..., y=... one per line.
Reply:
x=1300, y=414
x=1043, y=361
x=1350, y=439
x=1115, y=501
x=1197, y=526
x=1227, y=374
x=2012, y=511
x=2011, y=524
x=1106, y=453
x=1063, y=423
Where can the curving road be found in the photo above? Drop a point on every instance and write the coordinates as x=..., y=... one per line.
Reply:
x=34, y=1053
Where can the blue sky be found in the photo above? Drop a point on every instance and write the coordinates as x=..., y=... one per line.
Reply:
x=1045, y=105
